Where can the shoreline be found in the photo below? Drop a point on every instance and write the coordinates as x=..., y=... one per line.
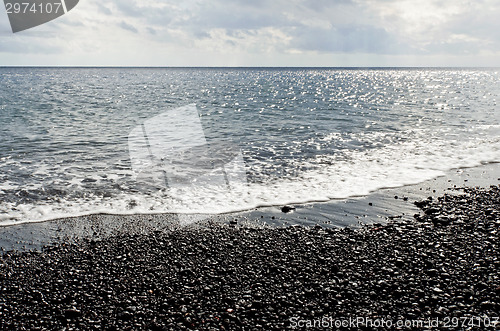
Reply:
x=378, y=207
x=441, y=265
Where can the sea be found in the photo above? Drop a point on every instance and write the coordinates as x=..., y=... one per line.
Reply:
x=206, y=141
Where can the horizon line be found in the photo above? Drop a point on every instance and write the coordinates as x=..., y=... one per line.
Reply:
x=248, y=67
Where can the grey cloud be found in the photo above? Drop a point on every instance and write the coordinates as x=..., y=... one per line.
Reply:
x=322, y=5
x=103, y=9
x=348, y=39
x=128, y=27
x=129, y=8
x=482, y=26
x=199, y=17
x=474, y=29
x=149, y=15
x=10, y=44
x=241, y=19
x=325, y=26
x=230, y=18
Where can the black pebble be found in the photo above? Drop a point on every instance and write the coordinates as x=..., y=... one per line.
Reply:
x=222, y=277
x=287, y=209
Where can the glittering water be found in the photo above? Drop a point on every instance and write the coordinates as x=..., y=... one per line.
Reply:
x=304, y=134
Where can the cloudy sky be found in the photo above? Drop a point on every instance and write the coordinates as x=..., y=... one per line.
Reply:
x=262, y=33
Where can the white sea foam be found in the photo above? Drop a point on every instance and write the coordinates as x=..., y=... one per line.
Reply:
x=337, y=176
x=303, y=136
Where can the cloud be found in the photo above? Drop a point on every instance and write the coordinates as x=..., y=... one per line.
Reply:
x=345, y=39
x=128, y=27
x=104, y=9
x=129, y=8
x=440, y=26
x=217, y=31
x=33, y=46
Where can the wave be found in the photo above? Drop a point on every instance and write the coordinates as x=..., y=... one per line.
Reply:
x=349, y=173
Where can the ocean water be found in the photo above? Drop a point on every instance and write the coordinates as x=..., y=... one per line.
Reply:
x=79, y=141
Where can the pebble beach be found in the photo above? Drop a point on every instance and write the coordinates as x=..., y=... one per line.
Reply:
x=441, y=267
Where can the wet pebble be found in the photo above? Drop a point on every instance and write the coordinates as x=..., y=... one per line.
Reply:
x=221, y=276
x=287, y=209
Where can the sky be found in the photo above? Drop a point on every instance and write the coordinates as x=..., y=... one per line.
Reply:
x=322, y=33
